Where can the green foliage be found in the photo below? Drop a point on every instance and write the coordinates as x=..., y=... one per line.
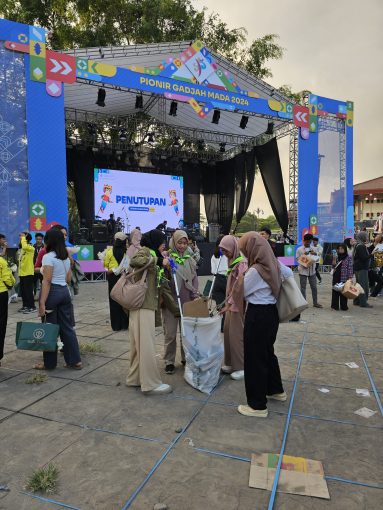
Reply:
x=90, y=347
x=86, y=23
x=36, y=379
x=251, y=221
x=73, y=214
x=43, y=480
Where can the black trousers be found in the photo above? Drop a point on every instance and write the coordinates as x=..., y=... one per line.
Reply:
x=59, y=301
x=338, y=299
x=26, y=291
x=118, y=318
x=317, y=272
x=219, y=293
x=3, y=320
x=377, y=280
x=262, y=373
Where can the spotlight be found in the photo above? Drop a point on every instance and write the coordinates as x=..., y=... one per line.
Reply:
x=151, y=138
x=222, y=147
x=101, y=97
x=123, y=135
x=139, y=102
x=216, y=116
x=173, y=109
x=270, y=128
x=244, y=121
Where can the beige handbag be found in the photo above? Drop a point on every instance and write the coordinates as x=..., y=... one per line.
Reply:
x=128, y=292
x=290, y=302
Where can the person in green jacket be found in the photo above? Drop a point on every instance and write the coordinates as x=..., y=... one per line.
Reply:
x=6, y=282
x=144, y=371
x=26, y=273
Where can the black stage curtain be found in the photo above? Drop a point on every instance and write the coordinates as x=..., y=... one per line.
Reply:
x=244, y=165
x=80, y=165
x=192, y=191
x=271, y=171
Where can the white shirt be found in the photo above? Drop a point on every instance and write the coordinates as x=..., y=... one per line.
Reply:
x=223, y=265
x=60, y=268
x=256, y=290
x=378, y=247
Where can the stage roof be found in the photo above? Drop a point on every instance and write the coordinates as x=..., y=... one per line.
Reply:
x=81, y=96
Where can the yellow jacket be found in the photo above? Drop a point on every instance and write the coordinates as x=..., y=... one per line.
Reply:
x=6, y=276
x=109, y=261
x=26, y=266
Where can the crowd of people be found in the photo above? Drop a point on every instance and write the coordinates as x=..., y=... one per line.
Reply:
x=247, y=282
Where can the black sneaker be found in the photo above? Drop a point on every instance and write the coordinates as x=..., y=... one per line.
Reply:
x=22, y=309
x=169, y=369
x=30, y=310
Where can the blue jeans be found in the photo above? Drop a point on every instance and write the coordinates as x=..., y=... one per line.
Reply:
x=59, y=301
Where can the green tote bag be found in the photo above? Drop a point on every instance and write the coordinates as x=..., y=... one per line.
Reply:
x=32, y=336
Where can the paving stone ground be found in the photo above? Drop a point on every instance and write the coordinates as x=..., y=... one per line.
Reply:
x=117, y=449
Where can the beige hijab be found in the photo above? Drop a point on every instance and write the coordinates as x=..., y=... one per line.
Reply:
x=260, y=256
x=187, y=270
x=135, y=238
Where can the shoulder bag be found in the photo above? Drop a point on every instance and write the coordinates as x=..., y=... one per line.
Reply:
x=290, y=302
x=130, y=293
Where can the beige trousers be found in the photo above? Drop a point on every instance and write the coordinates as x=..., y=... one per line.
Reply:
x=170, y=332
x=233, y=340
x=143, y=370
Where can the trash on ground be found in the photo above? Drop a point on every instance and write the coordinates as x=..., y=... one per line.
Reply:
x=362, y=392
x=365, y=412
x=324, y=390
x=351, y=364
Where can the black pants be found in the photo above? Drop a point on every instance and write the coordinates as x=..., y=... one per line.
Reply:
x=37, y=280
x=262, y=374
x=59, y=301
x=118, y=318
x=338, y=299
x=317, y=272
x=219, y=293
x=26, y=291
x=3, y=320
x=377, y=280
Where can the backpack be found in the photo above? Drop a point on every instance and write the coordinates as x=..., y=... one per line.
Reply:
x=128, y=292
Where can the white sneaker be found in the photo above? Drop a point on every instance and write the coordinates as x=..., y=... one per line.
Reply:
x=238, y=375
x=13, y=298
x=249, y=411
x=282, y=397
x=226, y=369
x=160, y=390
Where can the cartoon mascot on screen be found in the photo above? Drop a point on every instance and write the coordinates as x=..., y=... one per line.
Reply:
x=105, y=198
x=174, y=201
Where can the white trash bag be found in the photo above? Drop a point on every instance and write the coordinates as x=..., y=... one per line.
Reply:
x=203, y=348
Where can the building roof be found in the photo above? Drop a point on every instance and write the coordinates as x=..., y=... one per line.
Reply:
x=370, y=186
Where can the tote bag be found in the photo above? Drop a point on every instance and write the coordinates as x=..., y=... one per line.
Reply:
x=128, y=292
x=34, y=336
x=290, y=302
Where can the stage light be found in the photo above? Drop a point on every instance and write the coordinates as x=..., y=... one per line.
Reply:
x=244, y=121
x=270, y=128
x=173, y=109
x=222, y=147
x=139, y=102
x=101, y=97
x=123, y=135
x=151, y=138
x=216, y=116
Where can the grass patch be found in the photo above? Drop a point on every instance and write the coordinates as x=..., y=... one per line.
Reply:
x=43, y=480
x=36, y=379
x=90, y=347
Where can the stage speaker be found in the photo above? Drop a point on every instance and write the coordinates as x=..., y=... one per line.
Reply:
x=214, y=232
x=99, y=234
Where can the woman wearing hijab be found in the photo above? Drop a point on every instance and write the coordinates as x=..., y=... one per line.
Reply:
x=233, y=326
x=260, y=288
x=343, y=271
x=187, y=280
x=143, y=370
x=135, y=238
x=361, y=265
x=115, y=262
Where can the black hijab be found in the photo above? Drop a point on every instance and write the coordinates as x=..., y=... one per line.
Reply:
x=342, y=256
x=119, y=249
x=153, y=240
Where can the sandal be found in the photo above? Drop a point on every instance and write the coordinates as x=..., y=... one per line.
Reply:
x=77, y=366
x=39, y=366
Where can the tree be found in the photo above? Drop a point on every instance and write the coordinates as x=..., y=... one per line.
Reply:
x=86, y=23
x=251, y=221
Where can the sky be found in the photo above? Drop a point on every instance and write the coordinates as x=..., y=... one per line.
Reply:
x=332, y=48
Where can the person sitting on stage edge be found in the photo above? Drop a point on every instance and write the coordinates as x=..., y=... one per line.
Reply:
x=55, y=303
x=187, y=280
x=115, y=261
x=233, y=327
x=144, y=370
x=343, y=271
x=260, y=288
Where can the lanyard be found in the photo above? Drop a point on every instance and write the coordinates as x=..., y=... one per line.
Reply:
x=179, y=259
x=233, y=264
x=160, y=271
